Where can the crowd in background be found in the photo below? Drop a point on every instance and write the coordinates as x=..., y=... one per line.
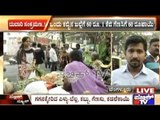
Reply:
x=81, y=67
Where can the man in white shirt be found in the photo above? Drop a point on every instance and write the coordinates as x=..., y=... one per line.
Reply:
x=68, y=49
x=53, y=57
x=134, y=73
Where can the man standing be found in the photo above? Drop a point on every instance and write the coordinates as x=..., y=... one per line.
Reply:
x=53, y=57
x=78, y=47
x=68, y=49
x=134, y=73
x=47, y=57
x=151, y=60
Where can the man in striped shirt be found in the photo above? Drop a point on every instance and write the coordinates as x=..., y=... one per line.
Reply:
x=151, y=60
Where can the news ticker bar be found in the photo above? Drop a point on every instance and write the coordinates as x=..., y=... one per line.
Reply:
x=115, y=96
x=103, y=24
x=87, y=23
x=82, y=99
x=109, y=99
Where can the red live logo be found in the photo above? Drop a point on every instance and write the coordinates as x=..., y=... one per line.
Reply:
x=144, y=90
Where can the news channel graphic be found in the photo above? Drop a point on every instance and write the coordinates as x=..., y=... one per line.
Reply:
x=107, y=99
x=14, y=99
x=144, y=96
x=141, y=95
x=87, y=23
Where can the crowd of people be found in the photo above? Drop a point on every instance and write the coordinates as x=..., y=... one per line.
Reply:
x=83, y=74
x=80, y=77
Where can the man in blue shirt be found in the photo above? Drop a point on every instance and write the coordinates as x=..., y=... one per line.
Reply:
x=134, y=73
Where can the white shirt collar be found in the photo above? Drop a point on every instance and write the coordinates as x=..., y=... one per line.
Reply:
x=143, y=70
x=155, y=59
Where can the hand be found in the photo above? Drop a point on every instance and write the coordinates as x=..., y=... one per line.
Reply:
x=49, y=85
x=33, y=67
x=21, y=77
x=66, y=85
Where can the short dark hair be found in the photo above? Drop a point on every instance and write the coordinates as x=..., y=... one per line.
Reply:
x=95, y=56
x=53, y=45
x=34, y=44
x=24, y=39
x=154, y=40
x=39, y=45
x=135, y=39
x=76, y=55
x=77, y=45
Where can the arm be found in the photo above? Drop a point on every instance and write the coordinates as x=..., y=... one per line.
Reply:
x=66, y=85
x=34, y=59
x=34, y=62
x=67, y=82
x=18, y=57
x=43, y=55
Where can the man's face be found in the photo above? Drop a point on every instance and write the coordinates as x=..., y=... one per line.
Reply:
x=66, y=46
x=135, y=55
x=154, y=48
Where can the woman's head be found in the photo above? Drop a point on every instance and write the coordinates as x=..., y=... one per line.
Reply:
x=76, y=55
x=26, y=41
x=94, y=56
